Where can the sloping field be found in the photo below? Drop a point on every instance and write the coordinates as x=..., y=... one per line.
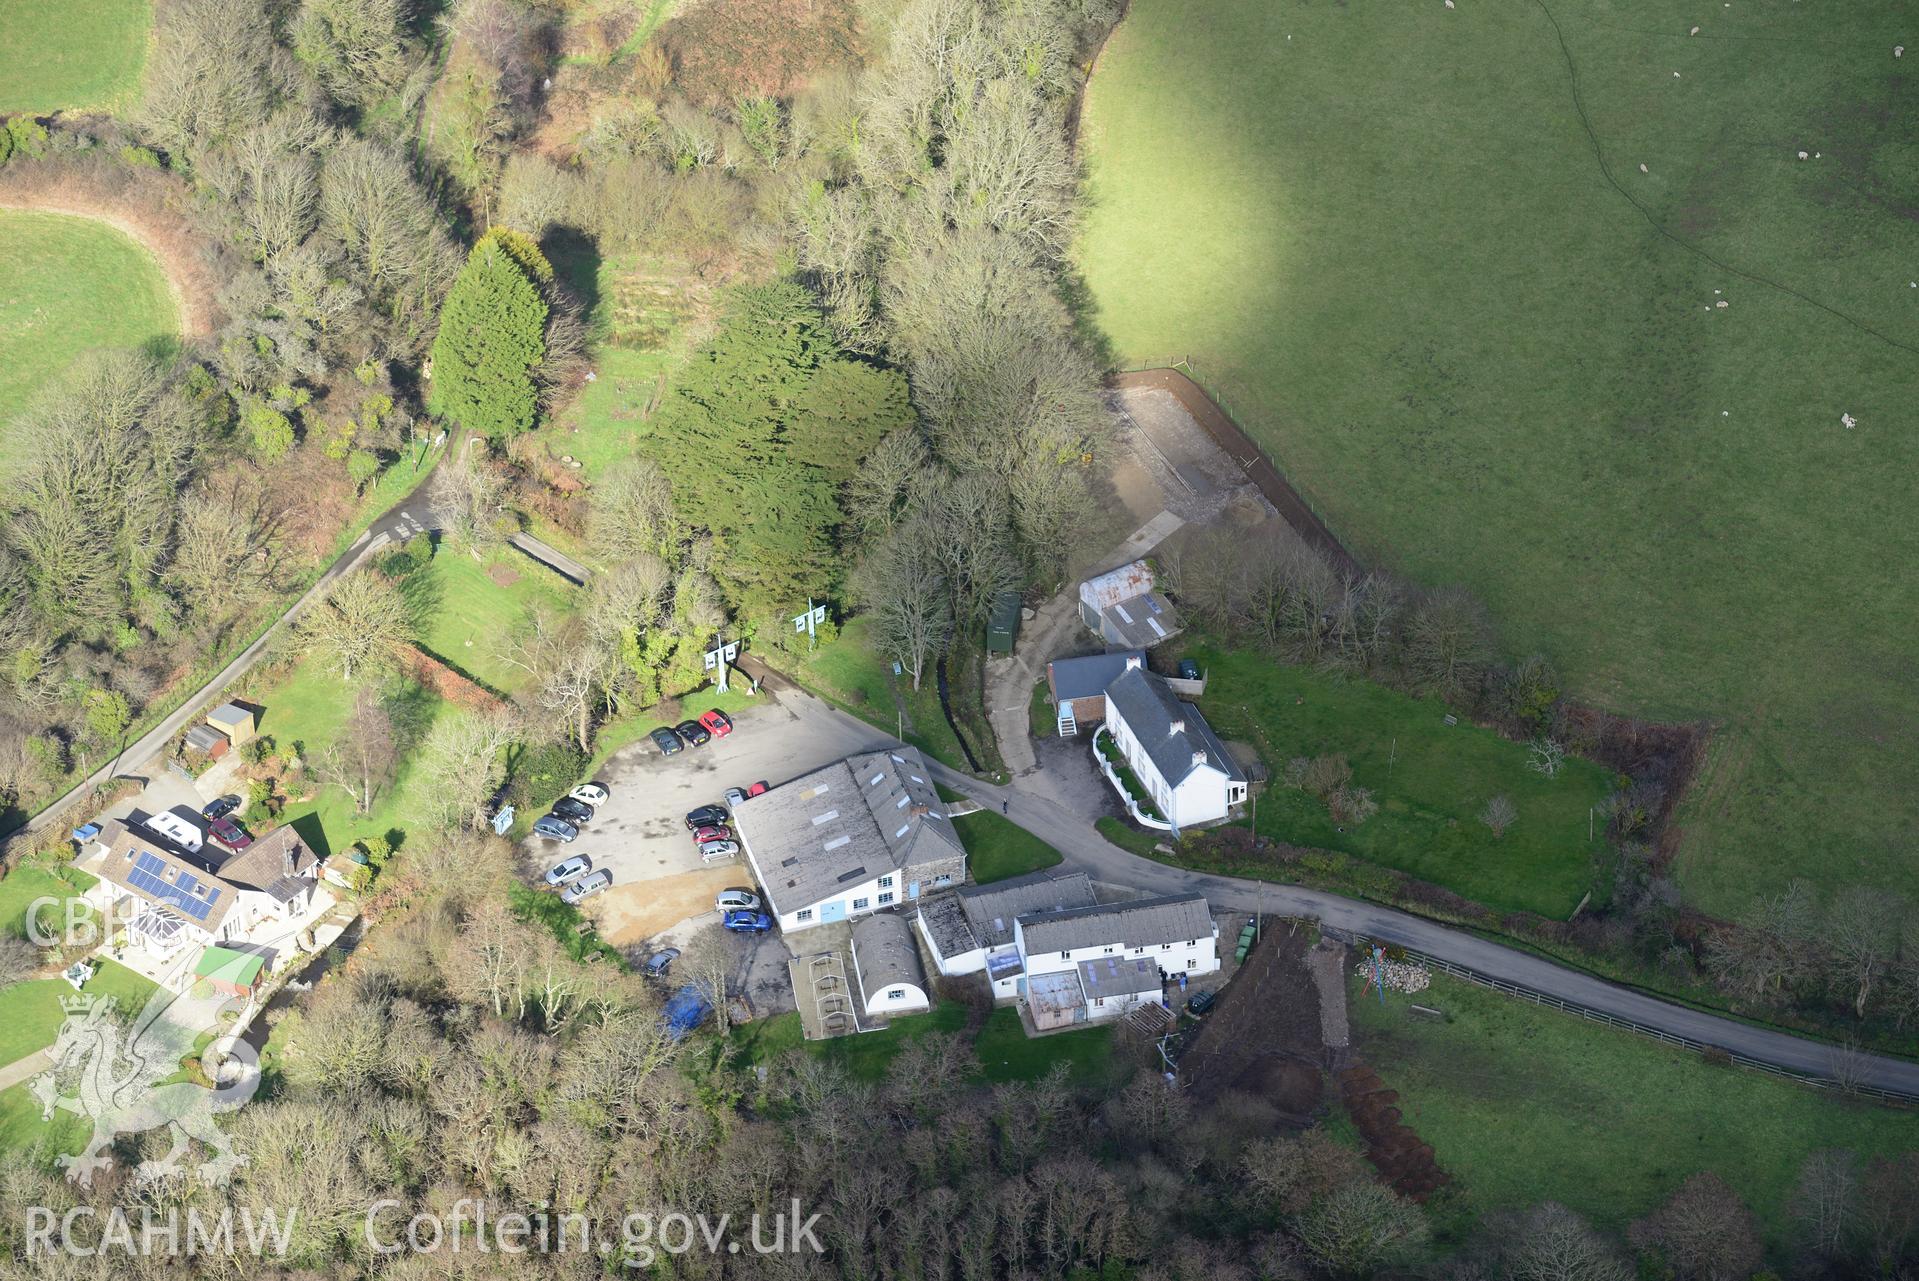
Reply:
x=70, y=284
x=1417, y=251
x=73, y=54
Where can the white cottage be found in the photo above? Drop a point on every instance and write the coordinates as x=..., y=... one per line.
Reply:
x=1184, y=767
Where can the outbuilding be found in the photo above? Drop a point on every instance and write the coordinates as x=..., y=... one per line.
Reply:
x=238, y=723
x=230, y=972
x=888, y=966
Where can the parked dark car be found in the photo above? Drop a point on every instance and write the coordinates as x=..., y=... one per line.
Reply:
x=1201, y=1003
x=229, y=834
x=667, y=741
x=706, y=816
x=220, y=807
x=555, y=828
x=747, y=922
x=1188, y=670
x=575, y=812
x=660, y=962
x=695, y=734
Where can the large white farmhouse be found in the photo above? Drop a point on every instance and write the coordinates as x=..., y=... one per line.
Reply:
x=1179, y=760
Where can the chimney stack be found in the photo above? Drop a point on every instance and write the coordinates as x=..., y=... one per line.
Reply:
x=1132, y=662
x=287, y=860
x=1177, y=727
x=1199, y=758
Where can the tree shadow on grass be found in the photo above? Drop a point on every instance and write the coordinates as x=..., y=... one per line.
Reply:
x=576, y=264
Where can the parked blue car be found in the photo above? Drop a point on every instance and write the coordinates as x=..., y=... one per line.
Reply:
x=747, y=922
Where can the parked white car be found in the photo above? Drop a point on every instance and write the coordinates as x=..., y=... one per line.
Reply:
x=593, y=794
x=177, y=830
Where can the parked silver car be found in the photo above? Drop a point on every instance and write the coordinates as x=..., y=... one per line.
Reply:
x=570, y=869
x=589, y=885
x=737, y=899
x=714, y=851
x=555, y=828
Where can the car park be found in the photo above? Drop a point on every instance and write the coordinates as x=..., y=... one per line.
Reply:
x=177, y=830
x=706, y=816
x=219, y=807
x=693, y=733
x=555, y=828
x=717, y=832
x=735, y=795
x=714, y=851
x=656, y=965
x=736, y=899
x=229, y=835
x=575, y=812
x=592, y=884
x=593, y=794
x=747, y=922
x=667, y=741
x=717, y=721
x=569, y=869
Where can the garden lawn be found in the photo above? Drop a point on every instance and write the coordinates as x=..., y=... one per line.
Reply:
x=30, y=1013
x=1493, y=349
x=997, y=848
x=24, y=884
x=71, y=284
x=1524, y=1104
x=21, y=1124
x=641, y=327
x=310, y=707
x=849, y=672
x=1005, y=1051
x=73, y=54
x=472, y=613
x=1431, y=780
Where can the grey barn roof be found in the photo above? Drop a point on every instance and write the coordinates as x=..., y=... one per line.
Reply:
x=992, y=909
x=1108, y=976
x=1088, y=676
x=1150, y=710
x=884, y=953
x=829, y=831
x=1146, y=922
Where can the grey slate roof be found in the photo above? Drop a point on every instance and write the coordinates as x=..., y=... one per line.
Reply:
x=1143, y=620
x=1151, y=710
x=278, y=864
x=1109, y=976
x=261, y=867
x=885, y=954
x=826, y=832
x=991, y=909
x=944, y=921
x=1089, y=676
x=1146, y=922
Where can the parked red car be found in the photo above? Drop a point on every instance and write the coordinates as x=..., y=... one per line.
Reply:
x=705, y=834
x=758, y=788
x=230, y=834
x=718, y=722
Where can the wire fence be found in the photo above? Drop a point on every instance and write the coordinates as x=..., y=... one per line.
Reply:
x=1215, y=392
x=1833, y=1083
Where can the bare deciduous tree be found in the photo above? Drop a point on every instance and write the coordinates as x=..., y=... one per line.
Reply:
x=906, y=596
x=468, y=493
x=460, y=766
x=362, y=760
x=1500, y=813
x=359, y=624
x=1704, y=1232
x=1824, y=1199
x=1551, y=1243
x=1862, y=936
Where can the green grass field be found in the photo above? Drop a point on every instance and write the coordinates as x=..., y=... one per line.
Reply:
x=71, y=284
x=1387, y=234
x=849, y=672
x=472, y=613
x=311, y=707
x=1005, y=1052
x=26, y=884
x=1523, y=1104
x=997, y=848
x=76, y=54
x=1431, y=780
x=30, y=1013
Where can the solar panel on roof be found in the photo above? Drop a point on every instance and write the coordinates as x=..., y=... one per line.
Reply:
x=148, y=876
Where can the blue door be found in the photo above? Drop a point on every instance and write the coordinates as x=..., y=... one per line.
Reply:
x=913, y=889
x=834, y=911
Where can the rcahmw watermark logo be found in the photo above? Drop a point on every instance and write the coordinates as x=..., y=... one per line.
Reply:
x=85, y=1232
